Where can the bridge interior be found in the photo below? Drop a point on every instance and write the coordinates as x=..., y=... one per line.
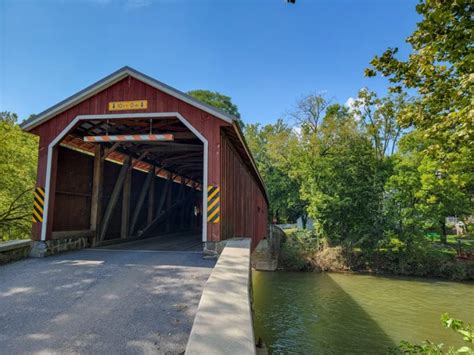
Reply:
x=130, y=190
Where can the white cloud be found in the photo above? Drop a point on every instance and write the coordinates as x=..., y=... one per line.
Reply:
x=351, y=104
x=297, y=130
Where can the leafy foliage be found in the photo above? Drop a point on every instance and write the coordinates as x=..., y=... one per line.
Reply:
x=272, y=147
x=339, y=170
x=422, y=192
x=217, y=100
x=18, y=159
x=427, y=347
x=440, y=70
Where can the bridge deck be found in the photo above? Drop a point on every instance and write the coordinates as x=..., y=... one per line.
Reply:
x=105, y=301
x=184, y=241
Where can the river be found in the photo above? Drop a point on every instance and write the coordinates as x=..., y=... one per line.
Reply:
x=322, y=313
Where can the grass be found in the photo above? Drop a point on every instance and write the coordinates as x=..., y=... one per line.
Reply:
x=289, y=231
x=452, y=245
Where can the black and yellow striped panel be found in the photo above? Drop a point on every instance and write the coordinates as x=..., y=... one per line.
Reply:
x=213, y=204
x=38, y=205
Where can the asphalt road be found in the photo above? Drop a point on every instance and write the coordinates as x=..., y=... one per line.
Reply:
x=101, y=302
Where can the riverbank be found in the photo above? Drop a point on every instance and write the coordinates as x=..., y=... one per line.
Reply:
x=423, y=260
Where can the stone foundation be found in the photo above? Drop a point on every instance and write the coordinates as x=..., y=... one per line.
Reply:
x=265, y=256
x=41, y=249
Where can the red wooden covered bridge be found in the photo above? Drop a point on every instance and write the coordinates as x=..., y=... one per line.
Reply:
x=130, y=157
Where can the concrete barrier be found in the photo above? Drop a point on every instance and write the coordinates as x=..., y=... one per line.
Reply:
x=223, y=323
x=14, y=250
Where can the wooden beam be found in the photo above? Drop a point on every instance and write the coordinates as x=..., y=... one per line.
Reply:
x=194, y=155
x=185, y=135
x=186, y=164
x=140, y=158
x=113, y=199
x=72, y=234
x=184, y=209
x=146, y=124
x=96, y=198
x=126, y=191
x=176, y=148
x=151, y=198
x=111, y=150
x=141, y=199
x=162, y=215
x=164, y=194
x=168, y=205
x=159, y=145
x=181, y=188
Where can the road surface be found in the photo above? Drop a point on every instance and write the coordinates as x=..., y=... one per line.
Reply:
x=101, y=301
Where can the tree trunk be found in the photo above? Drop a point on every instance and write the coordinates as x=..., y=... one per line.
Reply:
x=444, y=238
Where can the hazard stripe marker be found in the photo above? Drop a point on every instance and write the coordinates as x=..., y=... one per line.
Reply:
x=165, y=137
x=38, y=205
x=213, y=204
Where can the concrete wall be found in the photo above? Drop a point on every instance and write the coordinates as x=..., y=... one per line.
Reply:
x=266, y=254
x=223, y=323
x=14, y=250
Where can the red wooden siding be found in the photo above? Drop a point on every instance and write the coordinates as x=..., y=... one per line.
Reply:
x=237, y=180
x=243, y=205
x=73, y=191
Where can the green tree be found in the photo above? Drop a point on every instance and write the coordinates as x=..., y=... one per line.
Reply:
x=446, y=189
x=337, y=170
x=401, y=199
x=217, y=100
x=423, y=191
x=440, y=70
x=270, y=146
x=377, y=118
x=18, y=161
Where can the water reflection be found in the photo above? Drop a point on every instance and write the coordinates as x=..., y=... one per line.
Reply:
x=308, y=313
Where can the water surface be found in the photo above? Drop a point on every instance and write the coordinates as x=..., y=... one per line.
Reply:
x=313, y=313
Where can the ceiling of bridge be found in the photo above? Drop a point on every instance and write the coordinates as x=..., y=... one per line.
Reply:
x=183, y=156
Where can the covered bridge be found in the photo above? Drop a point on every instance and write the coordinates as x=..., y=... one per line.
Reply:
x=130, y=157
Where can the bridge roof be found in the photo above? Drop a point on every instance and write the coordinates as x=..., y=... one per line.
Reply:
x=111, y=79
x=126, y=71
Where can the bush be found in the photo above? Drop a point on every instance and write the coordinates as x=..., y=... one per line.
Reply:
x=428, y=347
x=297, y=250
x=303, y=250
x=419, y=260
x=330, y=259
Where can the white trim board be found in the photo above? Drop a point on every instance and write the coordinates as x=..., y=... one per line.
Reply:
x=71, y=124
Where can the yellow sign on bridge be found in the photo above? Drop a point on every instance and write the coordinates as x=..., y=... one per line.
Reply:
x=128, y=105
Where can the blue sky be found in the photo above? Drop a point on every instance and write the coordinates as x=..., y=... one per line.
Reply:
x=265, y=54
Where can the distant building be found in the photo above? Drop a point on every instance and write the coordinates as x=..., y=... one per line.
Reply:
x=309, y=223
x=451, y=220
